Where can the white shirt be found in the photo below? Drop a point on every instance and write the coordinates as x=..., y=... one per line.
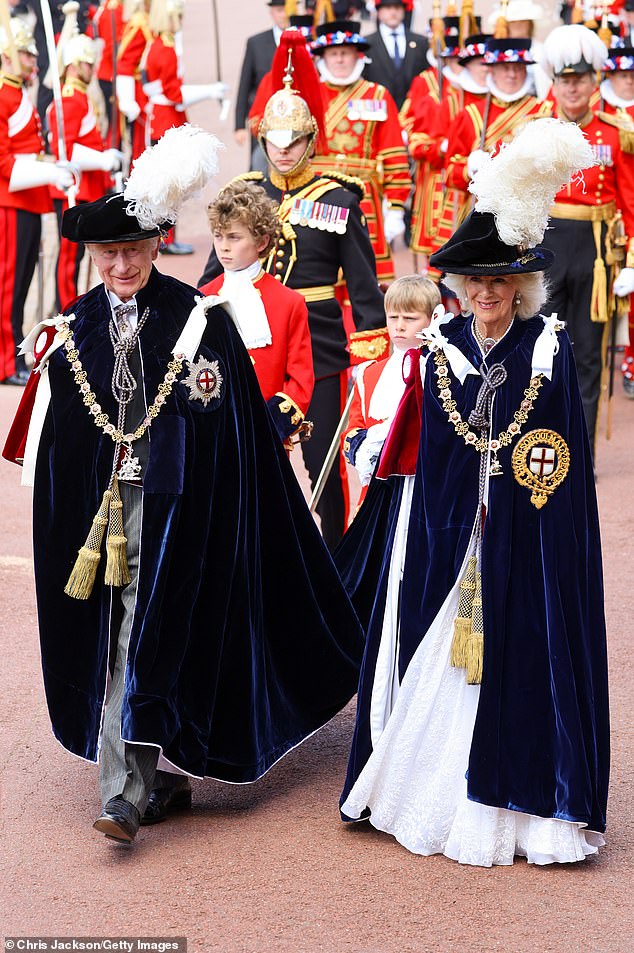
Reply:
x=132, y=316
x=390, y=41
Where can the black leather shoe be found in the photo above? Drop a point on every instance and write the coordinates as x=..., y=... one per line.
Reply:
x=164, y=801
x=19, y=379
x=628, y=387
x=119, y=820
x=176, y=248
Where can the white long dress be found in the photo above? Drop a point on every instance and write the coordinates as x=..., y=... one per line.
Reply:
x=414, y=781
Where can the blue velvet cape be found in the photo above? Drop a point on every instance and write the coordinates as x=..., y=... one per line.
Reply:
x=541, y=738
x=243, y=640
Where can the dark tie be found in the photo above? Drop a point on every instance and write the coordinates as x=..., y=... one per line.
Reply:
x=396, y=59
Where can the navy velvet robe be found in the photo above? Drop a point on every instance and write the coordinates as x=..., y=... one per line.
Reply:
x=541, y=738
x=243, y=640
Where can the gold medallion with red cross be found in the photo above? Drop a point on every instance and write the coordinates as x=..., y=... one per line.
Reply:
x=541, y=461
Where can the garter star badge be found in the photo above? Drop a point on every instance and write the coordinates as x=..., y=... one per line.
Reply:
x=541, y=461
x=204, y=380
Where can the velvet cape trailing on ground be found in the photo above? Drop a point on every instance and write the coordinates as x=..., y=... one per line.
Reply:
x=243, y=640
x=541, y=737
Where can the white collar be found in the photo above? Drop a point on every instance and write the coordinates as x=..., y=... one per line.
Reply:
x=327, y=76
x=114, y=302
x=251, y=272
x=607, y=92
x=247, y=306
x=450, y=76
x=525, y=90
x=469, y=84
x=277, y=33
x=386, y=31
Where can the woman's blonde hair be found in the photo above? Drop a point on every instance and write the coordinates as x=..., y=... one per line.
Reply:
x=247, y=203
x=532, y=289
x=411, y=294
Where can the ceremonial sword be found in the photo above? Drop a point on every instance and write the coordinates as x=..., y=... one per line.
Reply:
x=225, y=103
x=49, y=34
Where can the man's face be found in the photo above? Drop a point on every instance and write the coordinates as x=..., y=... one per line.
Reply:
x=391, y=14
x=478, y=70
x=340, y=60
x=124, y=267
x=520, y=29
x=28, y=66
x=509, y=77
x=279, y=17
x=572, y=93
x=623, y=83
x=83, y=71
x=286, y=159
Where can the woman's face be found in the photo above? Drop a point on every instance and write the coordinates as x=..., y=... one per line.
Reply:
x=491, y=298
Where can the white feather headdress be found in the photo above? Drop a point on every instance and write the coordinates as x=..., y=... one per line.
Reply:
x=566, y=46
x=519, y=184
x=166, y=175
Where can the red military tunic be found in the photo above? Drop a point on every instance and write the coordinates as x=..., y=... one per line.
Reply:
x=135, y=38
x=365, y=140
x=109, y=15
x=285, y=366
x=163, y=86
x=20, y=222
x=427, y=120
x=20, y=134
x=361, y=418
x=80, y=126
x=628, y=358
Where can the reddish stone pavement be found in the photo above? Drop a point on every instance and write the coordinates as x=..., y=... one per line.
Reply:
x=269, y=867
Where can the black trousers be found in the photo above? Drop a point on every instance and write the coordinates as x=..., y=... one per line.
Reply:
x=570, y=280
x=325, y=411
x=19, y=248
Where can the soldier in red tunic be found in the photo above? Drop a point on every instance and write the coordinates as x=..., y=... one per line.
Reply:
x=86, y=152
x=108, y=23
x=580, y=228
x=271, y=318
x=131, y=99
x=364, y=136
x=24, y=195
x=617, y=98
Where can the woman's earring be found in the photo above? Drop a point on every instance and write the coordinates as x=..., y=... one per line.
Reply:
x=517, y=298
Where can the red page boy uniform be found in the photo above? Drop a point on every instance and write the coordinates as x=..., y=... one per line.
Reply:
x=273, y=323
x=377, y=392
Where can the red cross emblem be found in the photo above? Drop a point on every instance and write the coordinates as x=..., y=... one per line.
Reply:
x=206, y=380
x=542, y=461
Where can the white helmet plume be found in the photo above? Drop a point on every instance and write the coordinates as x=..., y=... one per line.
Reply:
x=166, y=175
x=518, y=186
x=565, y=46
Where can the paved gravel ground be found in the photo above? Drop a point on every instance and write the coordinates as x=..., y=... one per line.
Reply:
x=269, y=867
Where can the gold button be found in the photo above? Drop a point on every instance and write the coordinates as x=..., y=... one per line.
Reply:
x=279, y=265
x=287, y=195
x=282, y=241
x=280, y=253
x=278, y=277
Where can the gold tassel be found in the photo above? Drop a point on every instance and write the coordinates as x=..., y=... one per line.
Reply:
x=462, y=624
x=82, y=577
x=117, y=572
x=475, y=645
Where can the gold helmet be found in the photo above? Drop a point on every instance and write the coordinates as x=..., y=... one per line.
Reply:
x=22, y=36
x=79, y=49
x=292, y=113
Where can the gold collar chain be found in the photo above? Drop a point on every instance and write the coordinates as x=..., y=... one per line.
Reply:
x=483, y=444
x=101, y=420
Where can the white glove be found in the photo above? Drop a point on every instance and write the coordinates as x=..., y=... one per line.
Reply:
x=196, y=94
x=126, y=99
x=393, y=224
x=624, y=283
x=369, y=451
x=29, y=172
x=91, y=160
x=476, y=160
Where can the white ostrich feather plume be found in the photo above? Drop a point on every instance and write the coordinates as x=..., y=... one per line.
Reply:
x=166, y=175
x=519, y=184
x=566, y=45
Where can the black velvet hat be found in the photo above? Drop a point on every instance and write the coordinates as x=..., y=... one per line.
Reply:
x=339, y=33
x=106, y=221
x=476, y=248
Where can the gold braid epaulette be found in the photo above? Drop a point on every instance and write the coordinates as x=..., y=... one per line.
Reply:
x=351, y=182
x=254, y=176
x=626, y=129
